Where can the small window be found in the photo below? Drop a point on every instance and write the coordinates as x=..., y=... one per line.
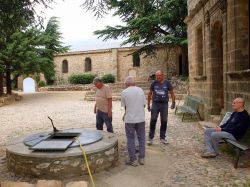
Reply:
x=65, y=66
x=136, y=60
x=88, y=66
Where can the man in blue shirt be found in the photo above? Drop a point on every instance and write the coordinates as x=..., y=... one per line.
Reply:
x=234, y=129
x=158, y=92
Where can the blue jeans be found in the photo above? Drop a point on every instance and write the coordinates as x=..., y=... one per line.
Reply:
x=130, y=129
x=212, y=138
x=157, y=108
x=102, y=117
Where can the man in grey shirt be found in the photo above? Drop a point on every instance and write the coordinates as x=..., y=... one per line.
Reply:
x=134, y=101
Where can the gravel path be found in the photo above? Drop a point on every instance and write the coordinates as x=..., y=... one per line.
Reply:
x=177, y=164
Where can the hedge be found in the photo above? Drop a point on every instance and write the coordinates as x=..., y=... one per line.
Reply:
x=85, y=78
x=108, y=78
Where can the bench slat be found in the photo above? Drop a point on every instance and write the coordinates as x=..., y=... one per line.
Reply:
x=187, y=109
x=239, y=145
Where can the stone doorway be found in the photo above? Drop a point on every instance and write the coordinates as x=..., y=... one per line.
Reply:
x=29, y=85
x=217, y=95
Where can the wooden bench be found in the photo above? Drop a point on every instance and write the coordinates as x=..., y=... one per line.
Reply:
x=241, y=145
x=190, y=106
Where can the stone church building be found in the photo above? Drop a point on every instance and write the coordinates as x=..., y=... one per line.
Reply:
x=218, y=52
x=120, y=63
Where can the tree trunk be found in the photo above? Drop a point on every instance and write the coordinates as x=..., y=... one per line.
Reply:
x=8, y=81
x=1, y=84
x=15, y=81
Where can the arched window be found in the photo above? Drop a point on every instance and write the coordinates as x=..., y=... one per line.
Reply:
x=88, y=66
x=65, y=68
x=136, y=60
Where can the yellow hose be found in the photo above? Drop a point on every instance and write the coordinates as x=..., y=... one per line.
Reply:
x=86, y=161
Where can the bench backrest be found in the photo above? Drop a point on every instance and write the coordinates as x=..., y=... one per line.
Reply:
x=186, y=100
x=225, y=118
x=193, y=102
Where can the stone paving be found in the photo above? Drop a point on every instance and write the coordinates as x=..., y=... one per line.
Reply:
x=177, y=164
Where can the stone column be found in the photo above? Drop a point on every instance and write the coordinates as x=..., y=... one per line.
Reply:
x=225, y=56
x=241, y=18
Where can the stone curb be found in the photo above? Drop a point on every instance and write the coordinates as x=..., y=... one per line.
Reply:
x=44, y=183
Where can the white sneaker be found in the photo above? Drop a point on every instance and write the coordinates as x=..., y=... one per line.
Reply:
x=131, y=163
x=141, y=161
x=150, y=141
x=163, y=141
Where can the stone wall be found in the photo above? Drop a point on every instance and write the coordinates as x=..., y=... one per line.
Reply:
x=102, y=62
x=119, y=62
x=44, y=183
x=218, y=51
x=8, y=99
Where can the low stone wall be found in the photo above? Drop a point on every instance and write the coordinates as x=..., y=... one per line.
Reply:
x=8, y=99
x=69, y=87
x=180, y=87
x=44, y=183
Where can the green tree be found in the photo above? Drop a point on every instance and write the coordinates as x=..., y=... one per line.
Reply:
x=15, y=17
x=53, y=45
x=22, y=50
x=147, y=22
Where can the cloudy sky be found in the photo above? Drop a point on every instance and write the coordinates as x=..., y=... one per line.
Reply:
x=77, y=25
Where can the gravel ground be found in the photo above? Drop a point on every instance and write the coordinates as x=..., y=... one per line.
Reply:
x=177, y=164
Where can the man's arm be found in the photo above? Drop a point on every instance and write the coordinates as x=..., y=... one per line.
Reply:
x=110, y=107
x=95, y=109
x=173, y=98
x=172, y=95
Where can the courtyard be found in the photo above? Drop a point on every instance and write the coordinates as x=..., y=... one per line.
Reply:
x=177, y=164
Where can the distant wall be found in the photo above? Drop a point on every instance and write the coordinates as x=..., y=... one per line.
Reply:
x=119, y=62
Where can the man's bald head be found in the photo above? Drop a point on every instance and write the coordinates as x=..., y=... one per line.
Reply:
x=238, y=104
x=159, y=75
x=130, y=81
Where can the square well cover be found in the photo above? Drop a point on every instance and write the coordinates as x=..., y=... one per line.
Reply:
x=52, y=145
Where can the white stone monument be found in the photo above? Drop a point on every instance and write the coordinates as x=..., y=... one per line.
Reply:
x=29, y=85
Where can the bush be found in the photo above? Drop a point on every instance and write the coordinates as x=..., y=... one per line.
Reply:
x=86, y=78
x=41, y=83
x=108, y=78
x=37, y=77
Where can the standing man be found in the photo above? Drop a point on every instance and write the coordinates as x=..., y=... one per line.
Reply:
x=159, y=90
x=234, y=129
x=133, y=100
x=103, y=105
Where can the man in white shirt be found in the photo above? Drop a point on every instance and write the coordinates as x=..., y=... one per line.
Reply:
x=134, y=101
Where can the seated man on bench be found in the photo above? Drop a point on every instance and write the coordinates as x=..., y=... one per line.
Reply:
x=235, y=128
